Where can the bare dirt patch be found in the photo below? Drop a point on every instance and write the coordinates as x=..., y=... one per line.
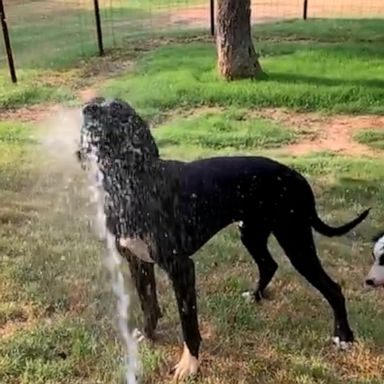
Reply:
x=323, y=133
x=30, y=114
x=328, y=133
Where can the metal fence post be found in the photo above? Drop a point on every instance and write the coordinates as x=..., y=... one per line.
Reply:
x=305, y=9
x=7, y=43
x=212, y=14
x=98, y=27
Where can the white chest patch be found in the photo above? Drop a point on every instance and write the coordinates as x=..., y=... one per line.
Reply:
x=137, y=247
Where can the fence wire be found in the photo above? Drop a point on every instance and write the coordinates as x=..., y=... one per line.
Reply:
x=54, y=33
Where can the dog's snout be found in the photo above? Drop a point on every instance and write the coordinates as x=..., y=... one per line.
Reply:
x=370, y=282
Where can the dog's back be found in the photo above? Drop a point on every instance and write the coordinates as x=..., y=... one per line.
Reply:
x=207, y=195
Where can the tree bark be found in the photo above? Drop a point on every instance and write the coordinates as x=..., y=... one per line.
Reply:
x=237, y=57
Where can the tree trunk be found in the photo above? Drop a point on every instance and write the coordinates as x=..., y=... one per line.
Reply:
x=237, y=57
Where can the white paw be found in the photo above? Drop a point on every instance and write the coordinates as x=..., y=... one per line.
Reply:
x=138, y=336
x=343, y=345
x=248, y=296
x=186, y=367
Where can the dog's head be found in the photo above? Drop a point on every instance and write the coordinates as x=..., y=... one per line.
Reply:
x=375, y=276
x=112, y=130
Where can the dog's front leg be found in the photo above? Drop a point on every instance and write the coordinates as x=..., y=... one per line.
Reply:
x=143, y=276
x=182, y=275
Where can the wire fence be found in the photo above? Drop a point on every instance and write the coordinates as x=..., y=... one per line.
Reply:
x=54, y=33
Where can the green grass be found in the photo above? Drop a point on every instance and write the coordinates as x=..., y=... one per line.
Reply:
x=56, y=308
x=56, y=313
x=325, y=65
x=49, y=38
x=337, y=77
x=15, y=139
x=54, y=353
x=230, y=130
x=75, y=39
x=65, y=34
x=32, y=89
x=371, y=137
x=323, y=30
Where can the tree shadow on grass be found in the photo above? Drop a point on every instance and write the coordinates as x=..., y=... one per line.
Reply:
x=317, y=80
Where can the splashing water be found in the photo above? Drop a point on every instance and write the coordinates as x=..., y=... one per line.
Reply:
x=113, y=263
x=61, y=142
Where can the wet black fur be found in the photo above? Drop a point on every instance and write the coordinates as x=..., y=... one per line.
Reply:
x=178, y=206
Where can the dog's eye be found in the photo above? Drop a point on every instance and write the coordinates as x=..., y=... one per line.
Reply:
x=91, y=109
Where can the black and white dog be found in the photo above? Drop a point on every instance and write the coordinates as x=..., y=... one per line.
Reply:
x=375, y=276
x=163, y=211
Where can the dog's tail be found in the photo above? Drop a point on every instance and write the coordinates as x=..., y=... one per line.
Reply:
x=326, y=230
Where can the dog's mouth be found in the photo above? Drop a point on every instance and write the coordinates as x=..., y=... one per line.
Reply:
x=91, y=129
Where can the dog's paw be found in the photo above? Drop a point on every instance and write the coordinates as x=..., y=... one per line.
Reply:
x=187, y=367
x=248, y=296
x=340, y=344
x=253, y=297
x=138, y=336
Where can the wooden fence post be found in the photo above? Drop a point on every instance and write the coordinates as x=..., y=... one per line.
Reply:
x=7, y=43
x=99, y=31
x=305, y=9
x=212, y=14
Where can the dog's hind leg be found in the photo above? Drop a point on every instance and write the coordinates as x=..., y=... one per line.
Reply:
x=182, y=275
x=298, y=244
x=143, y=276
x=255, y=240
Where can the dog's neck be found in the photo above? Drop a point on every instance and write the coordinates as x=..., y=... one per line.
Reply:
x=132, y=193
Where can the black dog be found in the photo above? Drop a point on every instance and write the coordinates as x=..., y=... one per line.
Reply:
x=164, y=211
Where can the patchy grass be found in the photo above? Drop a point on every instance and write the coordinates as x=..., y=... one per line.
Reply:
x=33, y=89
x=65, y=33
x=229, y=130
x=323, y=30
x=64, y=350
x=317, y=65
x=16, y=140
x=372, y=137
x=56, y=312
x=50, y=38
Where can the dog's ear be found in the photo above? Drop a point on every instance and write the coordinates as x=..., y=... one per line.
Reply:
x=377, y=236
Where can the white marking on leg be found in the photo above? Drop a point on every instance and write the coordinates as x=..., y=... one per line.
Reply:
x=342, y=345
x=187, y=366
x=138, y=335
x=248, y=296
